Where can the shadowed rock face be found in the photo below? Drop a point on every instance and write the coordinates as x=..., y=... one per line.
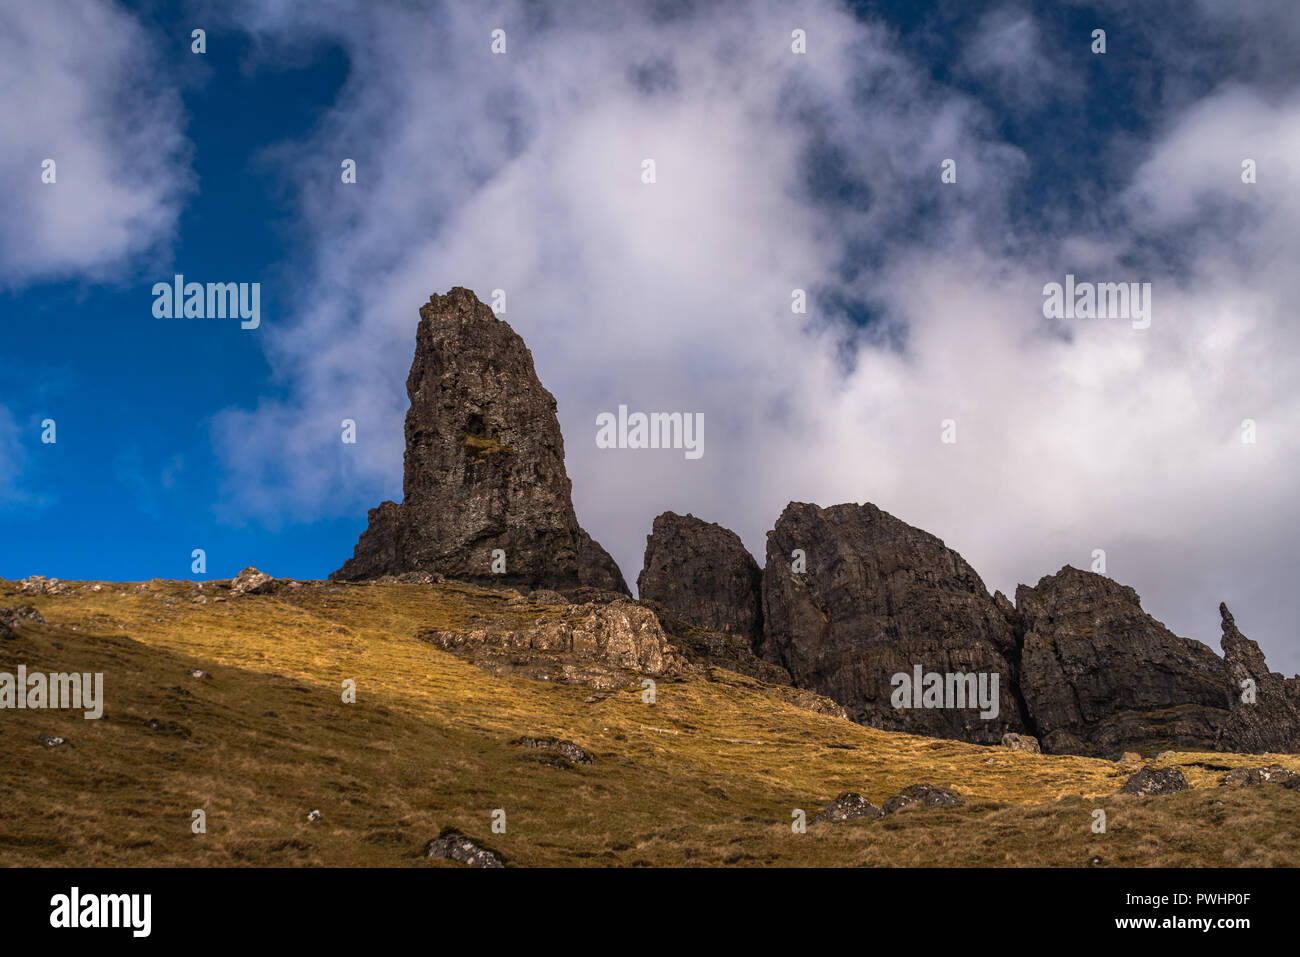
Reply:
x=1100, y=676
x=701, y=573
x=484, y=466
x=879, y=597
x=1272, y=721
x=707, y=591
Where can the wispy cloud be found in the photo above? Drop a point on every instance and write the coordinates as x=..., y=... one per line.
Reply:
x=1010, y=54
x=81, y=84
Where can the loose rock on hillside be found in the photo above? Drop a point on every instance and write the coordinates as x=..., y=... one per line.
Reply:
x=847, y=807
x=925, y=795
x=1156, y=781
x=455, y=846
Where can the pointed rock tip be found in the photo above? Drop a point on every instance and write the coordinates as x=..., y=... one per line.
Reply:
x=458, y=296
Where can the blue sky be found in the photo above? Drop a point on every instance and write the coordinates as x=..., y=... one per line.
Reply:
x=776, y=172
x=128, y=489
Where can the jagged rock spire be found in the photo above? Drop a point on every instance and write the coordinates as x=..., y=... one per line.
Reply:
x=484, y=481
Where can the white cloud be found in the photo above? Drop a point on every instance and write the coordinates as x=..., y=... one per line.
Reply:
x=522, y=172
x=1008, y=52
x=80, y=85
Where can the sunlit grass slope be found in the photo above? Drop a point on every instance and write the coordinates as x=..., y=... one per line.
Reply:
x=709, y=774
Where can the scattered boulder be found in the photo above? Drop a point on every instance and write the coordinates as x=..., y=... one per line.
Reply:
x=23, y=614
x=251, y=582
x=484, y=467
x=1130, y=757
x=871, y=597
x=702, y=574
x=1156, y=781
x=1021, y=742
x=314, y=816
x=1264, y=707
x=570, y=752
x=847, y=807
x=453, y=845
x=199, y=673
x=1272, y=774
x=50, y=740
x=1100, y=676
x=925, y=795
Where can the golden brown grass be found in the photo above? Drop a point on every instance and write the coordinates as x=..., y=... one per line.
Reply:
x=707, y=775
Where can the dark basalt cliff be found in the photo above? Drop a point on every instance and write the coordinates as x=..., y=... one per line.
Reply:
x=701, y=573
x=707, y=589
x=875, y=598
x=1100, y=676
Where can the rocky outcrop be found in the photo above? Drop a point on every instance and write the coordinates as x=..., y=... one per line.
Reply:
x=40, y=585
x=564, y=753
x=375, y=554
x=11, y=618
x=1100, y=676
x=605, y=646
x=1156, y=781
x=853, y=597
x=484, y=481
x=718, y=649
x=701, y=573
x=251, y=582
x=1021, y=742
x=847, y=807
x=923, y=795
x=452, y=845
x=1265, y=707
x=1251, y=777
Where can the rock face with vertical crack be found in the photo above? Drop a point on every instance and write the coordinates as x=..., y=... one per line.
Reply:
x=707, y=590
x=1265, y=707
x=876, y=598
x=1100, y=676
x=484, y=474
x=700, y=572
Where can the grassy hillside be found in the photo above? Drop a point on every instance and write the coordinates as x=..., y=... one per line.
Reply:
x=707, y=775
